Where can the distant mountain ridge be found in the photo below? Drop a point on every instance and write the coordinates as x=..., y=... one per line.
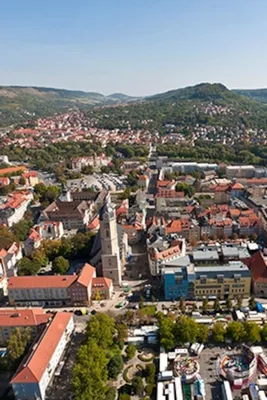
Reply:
x=255, y=94
x=21, y=103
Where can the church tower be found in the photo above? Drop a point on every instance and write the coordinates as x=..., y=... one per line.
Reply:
x=110, y=252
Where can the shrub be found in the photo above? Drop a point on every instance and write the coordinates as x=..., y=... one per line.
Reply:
x=125, y=374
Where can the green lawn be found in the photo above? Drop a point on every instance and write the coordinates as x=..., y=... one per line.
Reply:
x=148, y=310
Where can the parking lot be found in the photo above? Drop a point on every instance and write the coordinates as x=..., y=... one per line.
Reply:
x=207, y=361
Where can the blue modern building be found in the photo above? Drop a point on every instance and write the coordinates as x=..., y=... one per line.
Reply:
x=175, y=283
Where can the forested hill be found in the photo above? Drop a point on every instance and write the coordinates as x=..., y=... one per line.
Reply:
x=255, y=94
x=203, y=104
x=21, y=103
x=203, y=92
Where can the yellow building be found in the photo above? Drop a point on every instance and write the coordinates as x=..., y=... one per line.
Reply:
x=221, y=281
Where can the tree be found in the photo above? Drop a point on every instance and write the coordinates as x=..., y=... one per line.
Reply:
x=124, y=396
x=202, y=333
x=138, y=385
x=22, y=181
x=235, y=330
x=150, y=373
x=26, y=266
x=126, y=194
x=264, y=333
x=186, y=330
x=101, y=328
x=111, y=394
x=234, y=236
x=39, y=256
x=252, y=332
x=149, y=389
x=90, y=372
x=218, y=332
x=122, y=332
x=205, y=304
x=21, y=229
x=252, y=303
x=130, y=351
x=60, y=265
x=167, y=332
x=97, y=296
x=7, y=238
x=216, y=305
x=182, y=304
x=239, y=302
x=115, y=366
x=229, y=304
x=17, y=343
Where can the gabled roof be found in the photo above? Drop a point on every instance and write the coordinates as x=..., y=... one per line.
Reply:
x=23, y=317
x=86, y=275
x=101, y=282
x=44, y=281
x=34, y=365
x=258, y=267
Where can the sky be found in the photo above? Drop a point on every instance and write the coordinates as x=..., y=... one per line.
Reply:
x=137, y=47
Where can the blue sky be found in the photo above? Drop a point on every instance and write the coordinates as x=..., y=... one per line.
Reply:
x=137, y=47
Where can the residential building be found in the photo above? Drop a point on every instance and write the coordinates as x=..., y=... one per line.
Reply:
x=73, y=214
x=4, y=159
x=102, y=288
x=31, y=178
x=94, y=161
x=11, y=318
x=36, y=371
x=55, y=290
x=240, y=171
x=48, y=230
x=143, y=181
x=9, y=259
x=258, y=268
x=13, y=210
x=163, y=249
x=4, y=181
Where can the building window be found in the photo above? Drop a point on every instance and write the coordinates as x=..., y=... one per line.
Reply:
x=107, y=234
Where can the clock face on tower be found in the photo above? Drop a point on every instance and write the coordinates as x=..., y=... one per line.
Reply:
x=105, y=217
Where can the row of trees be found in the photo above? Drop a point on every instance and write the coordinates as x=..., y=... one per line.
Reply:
x=208, y=151
x=98, y=360
x=186, y=329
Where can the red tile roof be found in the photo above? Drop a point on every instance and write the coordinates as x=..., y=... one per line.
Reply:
x=94, y=224
x=33, y=367
x=3, y=253
x=237, y=186
x=20, y=317
x=86, y=275
x=258, y=267
x=45, y=281
x=11, y=170
x=102, y=282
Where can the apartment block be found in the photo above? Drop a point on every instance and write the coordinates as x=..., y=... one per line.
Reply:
x=36, y=371
x=34, y=319
x=13, y=210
